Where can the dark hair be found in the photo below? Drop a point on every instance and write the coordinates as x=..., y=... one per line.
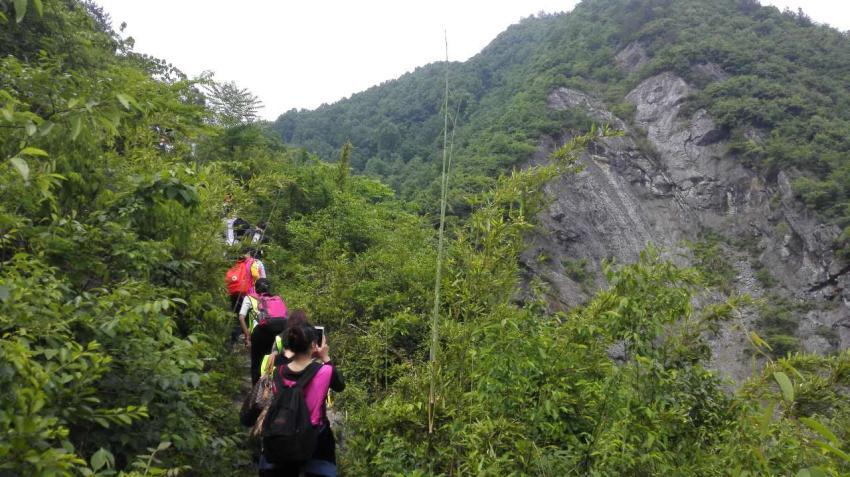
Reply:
x=253, y=252
x=262, y=286
x=299, y=337
x=297, y=317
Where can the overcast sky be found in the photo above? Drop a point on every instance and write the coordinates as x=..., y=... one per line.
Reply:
x=300, y=54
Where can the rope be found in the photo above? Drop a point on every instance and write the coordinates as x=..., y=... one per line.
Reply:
x=435, y=315
x=268, y=220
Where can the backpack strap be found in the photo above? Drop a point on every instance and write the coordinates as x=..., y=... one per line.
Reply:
x=309, y=372
x=249, y=262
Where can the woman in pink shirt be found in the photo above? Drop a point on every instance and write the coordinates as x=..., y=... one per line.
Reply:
x=301, y=340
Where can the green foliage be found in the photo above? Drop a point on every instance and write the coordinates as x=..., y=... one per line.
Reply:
x=113, y=353
x=778, y=320
x=110, y=306
x=230, y=105
x=711, y=259
x=578, y=272
x=344, y=165
x=499, y=110
x=781, y=96
x=526, y=394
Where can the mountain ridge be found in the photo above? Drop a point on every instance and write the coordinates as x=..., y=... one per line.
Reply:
x=766, y=85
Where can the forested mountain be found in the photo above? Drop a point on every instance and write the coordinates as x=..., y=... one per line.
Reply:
x=785, y=79
x=115, y=352
x=737, y=132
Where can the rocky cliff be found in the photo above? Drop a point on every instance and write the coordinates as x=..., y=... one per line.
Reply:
x=671, y=181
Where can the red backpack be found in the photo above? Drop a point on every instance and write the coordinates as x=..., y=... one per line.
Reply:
x=238, y=279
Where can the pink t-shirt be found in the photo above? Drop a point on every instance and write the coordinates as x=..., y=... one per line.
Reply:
x=315, y=392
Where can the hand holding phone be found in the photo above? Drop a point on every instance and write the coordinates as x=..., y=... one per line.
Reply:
x=324, y=350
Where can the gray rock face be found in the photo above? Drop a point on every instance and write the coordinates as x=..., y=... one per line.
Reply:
x=565, y=98
x=711, y=72
x=671, y=185
x=632, y=58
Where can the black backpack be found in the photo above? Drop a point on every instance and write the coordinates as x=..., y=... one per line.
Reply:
x=288, y=434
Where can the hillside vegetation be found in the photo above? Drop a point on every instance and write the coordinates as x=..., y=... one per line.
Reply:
x=784, y=101
x=114, y=332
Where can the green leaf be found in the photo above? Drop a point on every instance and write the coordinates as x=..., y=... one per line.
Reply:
x=39, y=8
x=100, y=458
x=124, y=100
x=76, y=127
x=20, y=10
x=785, y=385
x=843, y=455
x=30, y=128
x=820, y=429
x=766, y=417
x=34, y=151
x=4, y=293
x=804, y=473
x=21, y=166
x=7, y=114
x=46, y=128
x=187, y=196
x=107, y=123
x=163, y=445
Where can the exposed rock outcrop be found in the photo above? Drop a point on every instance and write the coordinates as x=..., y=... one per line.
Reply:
x=632, y=58
x=673, y=184
x=710, y=72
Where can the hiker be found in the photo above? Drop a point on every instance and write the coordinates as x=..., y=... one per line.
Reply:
x=240, y=279
x=268, y=318
x=236, y=229
x=311, y=361
x=279, y=355
x=259, y=235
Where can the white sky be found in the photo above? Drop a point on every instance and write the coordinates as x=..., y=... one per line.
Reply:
x=300, y=54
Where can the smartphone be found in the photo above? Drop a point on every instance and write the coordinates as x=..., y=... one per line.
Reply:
x=320, y=334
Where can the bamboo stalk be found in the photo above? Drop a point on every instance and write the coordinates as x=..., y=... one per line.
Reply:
x=435, y=315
